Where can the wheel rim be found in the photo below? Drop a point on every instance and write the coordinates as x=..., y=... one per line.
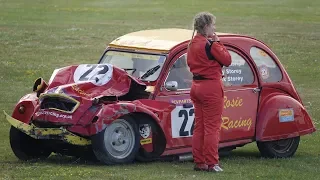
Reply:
x=119, y=139
x=282, y=146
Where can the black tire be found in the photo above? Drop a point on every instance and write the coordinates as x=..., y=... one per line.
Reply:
x=120, y=134
x=158, y=140
x=27, y=148
x=283, y=148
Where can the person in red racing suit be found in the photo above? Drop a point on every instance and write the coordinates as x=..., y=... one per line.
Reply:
x=206, y=56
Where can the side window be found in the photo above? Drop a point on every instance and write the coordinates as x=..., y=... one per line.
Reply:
x=180, y=73
x=268, y=69
x=238, y=73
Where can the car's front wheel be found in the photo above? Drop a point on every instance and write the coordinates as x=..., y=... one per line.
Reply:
x=26, y=147
x=279, y=149
x=118, y=143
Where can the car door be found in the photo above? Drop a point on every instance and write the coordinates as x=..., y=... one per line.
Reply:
x=241, y=95
x=176, y=89
x=240, y=101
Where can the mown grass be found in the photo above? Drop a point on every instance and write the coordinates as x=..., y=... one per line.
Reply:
x=38, y=36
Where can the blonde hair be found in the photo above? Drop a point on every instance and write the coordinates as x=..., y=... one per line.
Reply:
x=200, y=21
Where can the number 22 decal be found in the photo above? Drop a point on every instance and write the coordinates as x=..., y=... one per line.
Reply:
x=182, y=122
x=186, y=115
x=98, y=74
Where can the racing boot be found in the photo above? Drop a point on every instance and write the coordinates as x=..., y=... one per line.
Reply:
x=215, y=168
x=200, y=167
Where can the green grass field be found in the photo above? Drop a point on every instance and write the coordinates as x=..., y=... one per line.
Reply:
x=38, y=36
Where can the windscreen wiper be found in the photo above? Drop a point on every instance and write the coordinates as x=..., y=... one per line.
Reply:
x=130, y=69
x=150, y=72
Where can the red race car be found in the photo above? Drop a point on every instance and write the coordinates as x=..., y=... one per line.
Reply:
x=135, y=103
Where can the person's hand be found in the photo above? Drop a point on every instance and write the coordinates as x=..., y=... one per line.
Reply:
x=215, y=37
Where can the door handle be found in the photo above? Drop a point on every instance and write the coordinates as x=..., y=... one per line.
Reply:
x=256, y=90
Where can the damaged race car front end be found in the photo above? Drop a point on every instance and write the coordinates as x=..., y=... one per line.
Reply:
x=90, y=108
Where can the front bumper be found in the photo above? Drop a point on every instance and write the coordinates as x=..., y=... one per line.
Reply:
x=47, y=133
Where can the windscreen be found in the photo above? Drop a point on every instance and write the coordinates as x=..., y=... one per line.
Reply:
x=136, y=64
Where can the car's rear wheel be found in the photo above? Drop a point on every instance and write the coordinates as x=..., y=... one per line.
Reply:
x=279, y=149
x=27, y=148
x=118, y=143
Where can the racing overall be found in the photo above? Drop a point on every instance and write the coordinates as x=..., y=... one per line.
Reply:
x=205, y=59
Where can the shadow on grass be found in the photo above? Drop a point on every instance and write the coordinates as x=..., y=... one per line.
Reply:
x=56, y=159
x=248, y=154
x=68, y=160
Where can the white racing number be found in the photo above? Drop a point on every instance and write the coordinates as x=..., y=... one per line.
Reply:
x=182, y=122
x=98, y=74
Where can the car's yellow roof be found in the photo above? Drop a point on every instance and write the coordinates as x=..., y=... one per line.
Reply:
x=157, y=40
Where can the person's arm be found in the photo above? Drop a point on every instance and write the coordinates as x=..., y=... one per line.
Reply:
x=220, y=53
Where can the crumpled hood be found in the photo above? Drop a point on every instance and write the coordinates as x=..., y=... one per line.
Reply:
x=90, y=81
x=71, y=90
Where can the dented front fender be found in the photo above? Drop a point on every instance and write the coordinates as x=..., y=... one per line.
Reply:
x=110, y=112
x=28, y=103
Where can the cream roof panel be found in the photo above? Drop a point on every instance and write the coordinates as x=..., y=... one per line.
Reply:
x=157, y=39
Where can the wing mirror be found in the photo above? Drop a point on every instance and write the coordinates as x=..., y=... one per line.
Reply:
x=172, y=85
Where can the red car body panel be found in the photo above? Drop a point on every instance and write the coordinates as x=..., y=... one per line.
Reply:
x=256, y=112
x=268, y=125
x=29, y=102
x=253, y=125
